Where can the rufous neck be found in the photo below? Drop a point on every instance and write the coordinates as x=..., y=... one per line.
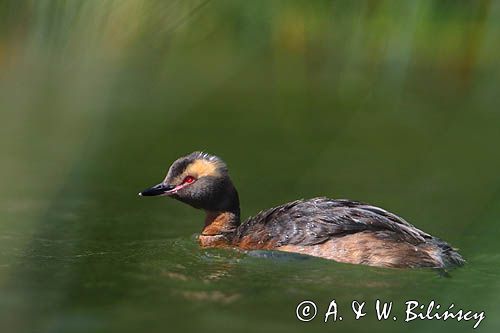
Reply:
x=220, y=223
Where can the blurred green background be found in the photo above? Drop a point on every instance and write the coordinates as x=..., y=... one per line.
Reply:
x=389, y=102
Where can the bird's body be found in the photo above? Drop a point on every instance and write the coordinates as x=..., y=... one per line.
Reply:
x=341, y=230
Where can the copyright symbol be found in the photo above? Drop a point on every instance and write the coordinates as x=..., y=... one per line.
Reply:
x=306, y=311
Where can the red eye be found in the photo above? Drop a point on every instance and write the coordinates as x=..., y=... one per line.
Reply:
x=189, y=180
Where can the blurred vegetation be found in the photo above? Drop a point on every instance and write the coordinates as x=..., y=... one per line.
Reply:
x=390, y=102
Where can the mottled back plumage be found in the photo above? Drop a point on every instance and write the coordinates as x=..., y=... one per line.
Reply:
x=308, y=222
x=318, y=220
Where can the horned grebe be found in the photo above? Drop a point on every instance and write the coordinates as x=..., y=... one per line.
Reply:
x=343, y=230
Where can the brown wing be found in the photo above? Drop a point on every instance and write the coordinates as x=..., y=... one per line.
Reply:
x=313, y=221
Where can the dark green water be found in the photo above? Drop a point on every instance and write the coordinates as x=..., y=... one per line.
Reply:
x=388, y=102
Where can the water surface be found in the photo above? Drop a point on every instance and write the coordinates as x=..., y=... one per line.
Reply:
x=386, y=102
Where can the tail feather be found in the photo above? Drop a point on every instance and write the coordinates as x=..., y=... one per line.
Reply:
x=449, y=255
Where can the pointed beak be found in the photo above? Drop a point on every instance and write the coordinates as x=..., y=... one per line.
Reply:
x=160, y=189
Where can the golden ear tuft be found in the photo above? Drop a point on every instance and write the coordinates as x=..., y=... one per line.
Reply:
x=197, y=164
x=202, y=167
x=212, y=159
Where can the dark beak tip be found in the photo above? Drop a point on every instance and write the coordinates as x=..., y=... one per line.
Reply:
x=156, y=190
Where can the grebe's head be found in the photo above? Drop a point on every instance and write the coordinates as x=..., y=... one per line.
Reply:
x=200, y=180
